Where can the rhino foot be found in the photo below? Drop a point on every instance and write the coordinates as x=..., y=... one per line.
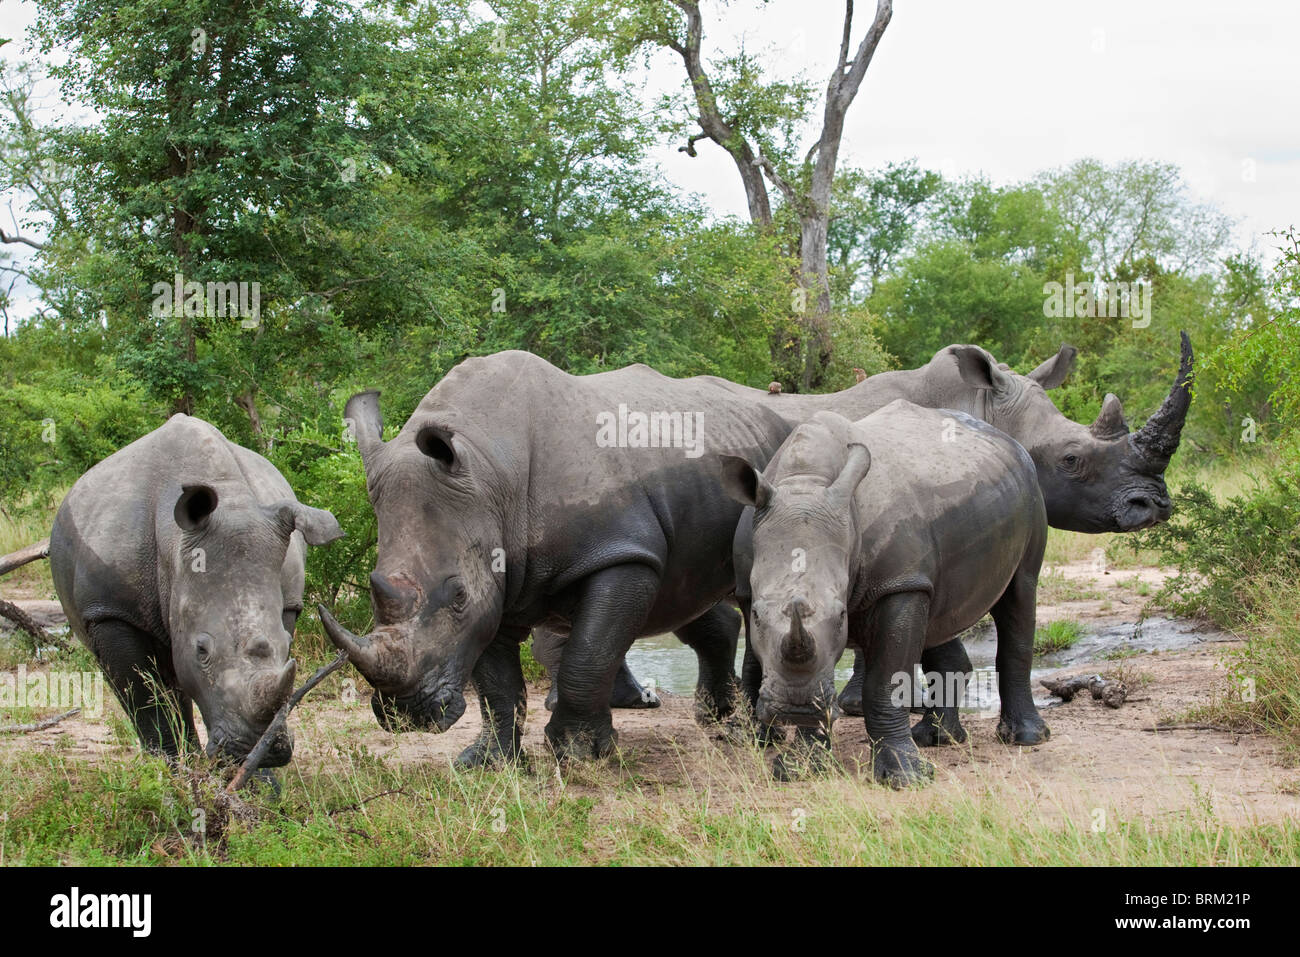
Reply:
x=488, y=752
x=552, y=696
x=851, y=697
x=263, y=779
x=742, y=729
x=1025, y=732
x=629, y=693
x=900, y=766
x=808, y=757
x=938, y=726
x=716, y=703
x=581, y=742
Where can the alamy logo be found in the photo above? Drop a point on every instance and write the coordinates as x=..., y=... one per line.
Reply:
x=215, y=300
x=133, y=911
x=1087, y=300
x=651, y=430
x=54, y=689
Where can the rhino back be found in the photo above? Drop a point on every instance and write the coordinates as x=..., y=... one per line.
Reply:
x=115, y=538
x=588, y=506
x=949, y=502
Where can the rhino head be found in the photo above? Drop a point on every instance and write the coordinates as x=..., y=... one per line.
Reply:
x=804, y=544
x=234, y=603
x=437, y=603
x=1094, y=478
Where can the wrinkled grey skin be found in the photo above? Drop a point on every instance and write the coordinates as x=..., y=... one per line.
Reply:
x=498, y=512
x=126, y=551
x=1097, y=478
x=892, y=533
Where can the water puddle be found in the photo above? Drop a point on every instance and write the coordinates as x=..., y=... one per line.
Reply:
x=671, y=665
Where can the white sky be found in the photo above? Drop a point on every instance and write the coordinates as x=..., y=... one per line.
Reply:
x=1009, y=88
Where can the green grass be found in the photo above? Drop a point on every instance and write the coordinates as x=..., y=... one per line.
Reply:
x=1056, y=636
x=135, y=810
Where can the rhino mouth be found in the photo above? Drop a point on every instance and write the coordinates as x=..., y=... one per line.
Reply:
x=1143, y=511
x=805, y=706
x=435, y=706
x=234, y=747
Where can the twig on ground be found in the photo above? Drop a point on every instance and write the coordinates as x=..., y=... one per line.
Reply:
x=38, y=725
x=258, y=754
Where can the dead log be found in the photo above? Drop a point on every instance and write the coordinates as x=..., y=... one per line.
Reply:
x=24, y=556
x=1109, y=692
x=40, y=637
x=258, y=754
x=38, y=725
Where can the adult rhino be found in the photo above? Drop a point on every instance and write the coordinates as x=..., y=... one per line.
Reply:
x=894, y=533
x=517, y=495
x=179, y=562
x=1094, y=478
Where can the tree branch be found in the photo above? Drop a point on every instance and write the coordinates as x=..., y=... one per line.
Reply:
x=16, y=238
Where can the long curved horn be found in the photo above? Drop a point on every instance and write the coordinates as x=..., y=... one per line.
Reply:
x=362, y=651
x=1157, y=441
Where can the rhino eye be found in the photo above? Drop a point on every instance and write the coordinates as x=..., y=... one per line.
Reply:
x=1070, y=462
x=204, y=649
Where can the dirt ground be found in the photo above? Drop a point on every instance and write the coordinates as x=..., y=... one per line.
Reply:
x=1097, y=757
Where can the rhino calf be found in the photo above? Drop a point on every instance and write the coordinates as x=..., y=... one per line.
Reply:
x=892, y=533
x=179, y=563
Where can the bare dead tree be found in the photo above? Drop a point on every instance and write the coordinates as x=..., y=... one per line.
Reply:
x=811, y=203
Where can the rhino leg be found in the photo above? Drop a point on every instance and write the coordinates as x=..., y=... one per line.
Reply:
x=627, y=693
x=751, y=680
x=162, y=715
x=502, y=701
x=809, y=755
x=1014, y=615
x=895, y=640
x=611, y=609
x=940, y=721
x=713, y=638
x=851, y=696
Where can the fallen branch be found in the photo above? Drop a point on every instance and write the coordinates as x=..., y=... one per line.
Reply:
x=40, y=637
x=258, y=754
x=1191, y=726
x=1111, y=693
x=38, y=725
x=23, y=556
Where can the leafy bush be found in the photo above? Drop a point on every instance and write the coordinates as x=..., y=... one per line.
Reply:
x=1224, y=550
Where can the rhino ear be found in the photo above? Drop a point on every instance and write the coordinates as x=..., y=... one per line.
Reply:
x=856, y=467
x=744, y=483
x=365, y=424
x=436, y=442
x=195, y=506
x=979, y=370
x=1053, y=372
x=318, y=526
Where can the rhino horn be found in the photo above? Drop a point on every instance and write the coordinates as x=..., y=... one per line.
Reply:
x=798, y=648
x=362, y=650
x=271, y=692
x=1157, y=441
x=363, y=418
x=1110, y=422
